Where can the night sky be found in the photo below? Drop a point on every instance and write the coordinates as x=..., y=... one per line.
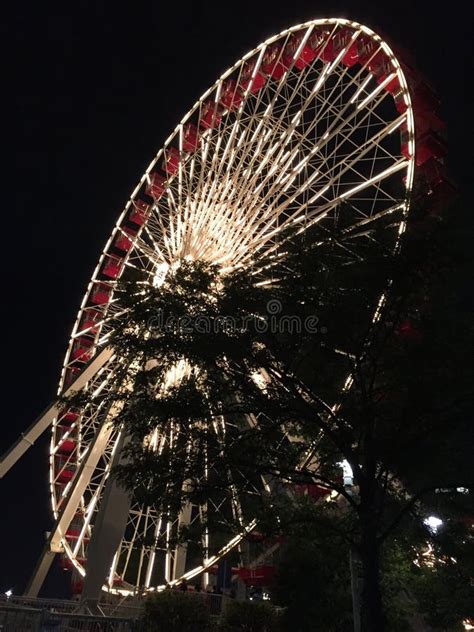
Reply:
x=90, y=92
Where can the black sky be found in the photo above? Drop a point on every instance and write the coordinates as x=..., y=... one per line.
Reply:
x=90, y=92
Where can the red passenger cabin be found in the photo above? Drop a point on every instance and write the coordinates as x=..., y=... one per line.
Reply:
x=302, y=55
x=328, y=51
x=67, y=446
x=90, y=320
x=156, y=187
x=140, y=210
x=252, y=83
x=211, y=115
x=257, y=576
x=112, y=266
x=367, y=49
x=408, y=331
x=341, y=40
x=68, y=417
x=316, y=492
x=171, y=160
x=65, y=476
x=428, y=146
x=231, y=95
x=100, y=295
x=82, y=349
x=190, y=137
x=124, y=240
x=72, y=373
x=273, y=62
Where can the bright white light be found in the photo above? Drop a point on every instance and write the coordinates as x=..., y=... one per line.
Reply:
x=9, y=593
x=347, y=473
x=433, y=523
x=361, y=89
x=260, y=379
x=160, y=274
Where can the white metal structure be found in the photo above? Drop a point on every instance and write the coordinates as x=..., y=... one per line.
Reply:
x=314, y=117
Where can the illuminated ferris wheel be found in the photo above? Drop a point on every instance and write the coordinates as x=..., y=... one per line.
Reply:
x=317, y=120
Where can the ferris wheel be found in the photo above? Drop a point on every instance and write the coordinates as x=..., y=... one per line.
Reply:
x=320, y=119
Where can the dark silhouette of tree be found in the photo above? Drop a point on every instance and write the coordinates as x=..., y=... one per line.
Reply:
x=332, y=348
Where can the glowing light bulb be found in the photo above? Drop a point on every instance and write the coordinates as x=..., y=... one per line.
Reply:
x=433, y=523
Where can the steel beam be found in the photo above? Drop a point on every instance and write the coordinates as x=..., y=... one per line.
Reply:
x=79, y=484
x=27, y=438
x=107, y=533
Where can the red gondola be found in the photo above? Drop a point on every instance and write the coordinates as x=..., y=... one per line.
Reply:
x=341, y=40
x=367, y=49
x=112, y=266
x=424, y=99
x=124, y=240
x=67, y=446
x=305, y=54
x=211, y=115
x=316, y=492
x=408, y=331
x=273, y=63
x=68, y=417
x=190, y=137
x=231, y=95
x=65, y=476
x=258, y=575
x=430, y=145
x=82, y=349
x=328, y=52
x=171, y=160
x=156, y=187
x=250, y=83
x=141, y=210
x=433, y=171
x=100, y=294
x=72, y=373
x=90, y=320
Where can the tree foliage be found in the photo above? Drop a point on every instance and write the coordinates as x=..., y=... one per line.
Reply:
x=171, y=611
x=247, y=386
x=246, y=616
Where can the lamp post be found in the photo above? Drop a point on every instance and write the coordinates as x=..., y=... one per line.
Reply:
x=348, y=479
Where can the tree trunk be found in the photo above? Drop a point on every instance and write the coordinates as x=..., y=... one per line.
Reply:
x=372, y=615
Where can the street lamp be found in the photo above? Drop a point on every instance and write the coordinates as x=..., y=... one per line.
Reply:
x=433, y=523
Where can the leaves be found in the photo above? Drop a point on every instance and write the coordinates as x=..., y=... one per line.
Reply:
x=236, y=387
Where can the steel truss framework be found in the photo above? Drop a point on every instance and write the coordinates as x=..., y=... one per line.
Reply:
x=317, y=116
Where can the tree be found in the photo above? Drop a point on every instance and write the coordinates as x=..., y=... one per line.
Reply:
x=171, y=611
x=312, y=583
x=444, y=586
x=329, y=350
x=245, y=616
x=425, y=576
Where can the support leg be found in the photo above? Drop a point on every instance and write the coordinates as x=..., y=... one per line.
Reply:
x=69, y=508
x=106, y=536
x=40, y=572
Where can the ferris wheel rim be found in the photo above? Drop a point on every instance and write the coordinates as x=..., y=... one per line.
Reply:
x=319, y=22
x=118, y=228
x=223, y=76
